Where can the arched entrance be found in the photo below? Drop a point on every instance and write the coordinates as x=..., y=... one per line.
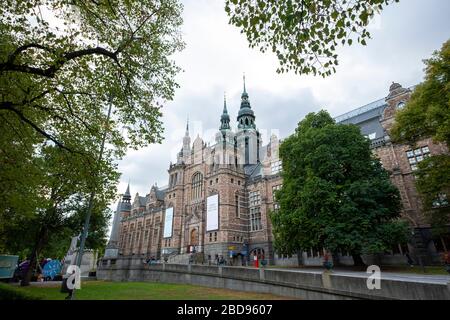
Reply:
x=194, y=237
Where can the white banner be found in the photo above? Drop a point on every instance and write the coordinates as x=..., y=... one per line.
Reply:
x=212, y=212
x=168, y=221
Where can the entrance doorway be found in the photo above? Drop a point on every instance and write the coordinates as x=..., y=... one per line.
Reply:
x=194, y=237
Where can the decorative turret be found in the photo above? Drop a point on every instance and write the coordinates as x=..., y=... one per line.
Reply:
x=186, y=150
x=225, y=118
x=112, y=249
x=246, y=116
x=127, y=196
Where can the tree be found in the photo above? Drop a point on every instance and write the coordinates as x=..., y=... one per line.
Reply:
x=62, y=62
x=61, y=65
x=335, y=193
x=59, y=194
x=427, y=114
x=304, y=34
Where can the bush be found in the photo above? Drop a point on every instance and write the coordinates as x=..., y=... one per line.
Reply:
x=8, y=292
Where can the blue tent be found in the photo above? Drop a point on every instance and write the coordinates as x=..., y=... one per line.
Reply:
x=51, y=269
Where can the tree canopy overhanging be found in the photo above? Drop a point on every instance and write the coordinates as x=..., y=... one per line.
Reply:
x=62, y=62
x=304, y=34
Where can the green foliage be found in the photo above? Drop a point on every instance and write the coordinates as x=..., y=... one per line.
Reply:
x=304, y=34
x=427, y=114
x=335, y=194
x=62, y=64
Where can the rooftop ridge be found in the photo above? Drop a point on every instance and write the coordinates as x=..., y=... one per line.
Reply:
x=365, y=108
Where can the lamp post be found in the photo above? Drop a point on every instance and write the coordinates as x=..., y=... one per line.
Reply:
x=91, y=201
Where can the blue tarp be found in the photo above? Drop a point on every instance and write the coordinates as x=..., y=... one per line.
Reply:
x=7, y=266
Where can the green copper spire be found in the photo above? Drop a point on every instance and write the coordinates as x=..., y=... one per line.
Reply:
x=225, y=118
x=246, y=117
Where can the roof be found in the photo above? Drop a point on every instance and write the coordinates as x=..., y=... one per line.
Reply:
x=160, y=193
x=253, y=171
x=142, y=201
x=375, y=105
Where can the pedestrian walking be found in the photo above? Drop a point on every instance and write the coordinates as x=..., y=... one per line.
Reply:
x=409, y=259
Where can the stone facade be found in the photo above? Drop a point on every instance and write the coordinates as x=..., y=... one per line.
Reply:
x=244, y=174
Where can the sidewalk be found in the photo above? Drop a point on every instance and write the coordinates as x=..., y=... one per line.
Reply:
x=388, y=275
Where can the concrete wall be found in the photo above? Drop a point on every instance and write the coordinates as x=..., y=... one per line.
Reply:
x=298, y=284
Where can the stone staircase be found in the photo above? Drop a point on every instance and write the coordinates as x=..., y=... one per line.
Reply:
x=184, y=258
x=179, y=258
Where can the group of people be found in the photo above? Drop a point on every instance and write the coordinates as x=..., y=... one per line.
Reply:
x=445, y=260
x=151, y=260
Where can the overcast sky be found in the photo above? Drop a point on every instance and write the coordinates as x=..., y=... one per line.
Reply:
x=217, y=55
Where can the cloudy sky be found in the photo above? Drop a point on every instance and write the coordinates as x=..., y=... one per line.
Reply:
x=217, y=55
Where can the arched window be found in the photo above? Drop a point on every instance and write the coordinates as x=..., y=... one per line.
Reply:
x=197, y=186
x=400, y=105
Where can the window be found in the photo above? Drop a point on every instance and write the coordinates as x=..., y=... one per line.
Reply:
x=417, y=155
x=232, y=180
x=215, y=236
x=441, y=201
x=255, y=198
x=255, y=219
x=197, y=186
x=276, y=205
x=400, y=105
x=372, y=135
x=210, y=237
x=276, y=166
x=239, y=182
x=236, y=202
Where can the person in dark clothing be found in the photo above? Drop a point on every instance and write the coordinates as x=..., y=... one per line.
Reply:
x=410, y=260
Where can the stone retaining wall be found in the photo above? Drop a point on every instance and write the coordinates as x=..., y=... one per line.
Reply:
x=298, y=284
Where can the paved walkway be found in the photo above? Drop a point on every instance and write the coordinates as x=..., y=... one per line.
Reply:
x=384, y=275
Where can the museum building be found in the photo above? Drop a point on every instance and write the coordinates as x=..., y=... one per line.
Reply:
x=218, y=198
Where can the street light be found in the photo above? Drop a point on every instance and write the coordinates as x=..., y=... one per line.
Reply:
x=91, y=201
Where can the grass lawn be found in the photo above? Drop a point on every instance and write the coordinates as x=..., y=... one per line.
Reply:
x=104, y=290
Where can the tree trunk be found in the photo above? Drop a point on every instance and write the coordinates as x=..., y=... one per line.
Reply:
x=357, y=260
x=34, y=256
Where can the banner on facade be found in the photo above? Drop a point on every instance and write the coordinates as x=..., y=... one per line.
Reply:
x=212, y=212
x=168, y=221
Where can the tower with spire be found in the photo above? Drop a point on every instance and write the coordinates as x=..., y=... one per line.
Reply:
x=248, y=139
x=186, y=142
x=224, y=151
x=224, y=118
x=123, y=208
